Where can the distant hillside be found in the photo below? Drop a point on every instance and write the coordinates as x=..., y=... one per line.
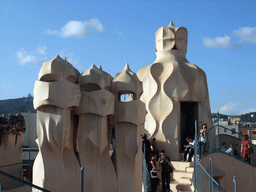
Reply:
x=248, y=118
x=25, y=104
x=14, y=106
x=221, y=116
x=244, y=117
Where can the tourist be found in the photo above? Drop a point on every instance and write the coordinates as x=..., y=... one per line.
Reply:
x=146, y=149
x=167, y=169
x=245, y=148
x=202, y=140
x=153, y=147
x=230, y=150
x=154, y=179
x=223, y=147
x=189, y=149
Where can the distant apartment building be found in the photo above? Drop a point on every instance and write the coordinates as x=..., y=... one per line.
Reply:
x=245, y=130
x=234, y=119
x=229, y=128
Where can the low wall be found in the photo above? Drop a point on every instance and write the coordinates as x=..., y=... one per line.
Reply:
x=227, y=167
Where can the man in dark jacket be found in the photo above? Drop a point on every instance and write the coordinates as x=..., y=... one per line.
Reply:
x=146, y=148
x=167, y=169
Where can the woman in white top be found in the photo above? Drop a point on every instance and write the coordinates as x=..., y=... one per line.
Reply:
x=202, y=140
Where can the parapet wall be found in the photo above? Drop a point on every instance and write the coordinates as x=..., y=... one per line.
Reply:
x=227, y=167
x=12, y=129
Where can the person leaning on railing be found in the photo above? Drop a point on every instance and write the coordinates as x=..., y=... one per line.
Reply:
x=203, y=139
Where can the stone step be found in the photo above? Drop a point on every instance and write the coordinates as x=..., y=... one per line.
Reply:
x=187, y=180
x=178, y=174
x=177, y=186
x=189, y=169
x=179, y=165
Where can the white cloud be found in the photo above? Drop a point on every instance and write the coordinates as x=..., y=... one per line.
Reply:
x=239, y=38
x=42, y=49
x=24, y=58
x=219, y=42
x=245, y=35
x=233, y=109
x=35, y=57
x=248, y=111
x=79, y=28
x=230, y=108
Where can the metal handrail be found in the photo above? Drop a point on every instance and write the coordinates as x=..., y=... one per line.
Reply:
x=198, y=163
x=223, y=127
x=22, y=181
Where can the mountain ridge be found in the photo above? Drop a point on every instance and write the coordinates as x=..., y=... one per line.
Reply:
x=25, y=104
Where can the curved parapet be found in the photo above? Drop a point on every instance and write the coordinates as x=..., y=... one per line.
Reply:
x=224, y=168
x=12, y=129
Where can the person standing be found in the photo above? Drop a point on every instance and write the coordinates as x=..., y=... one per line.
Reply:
x=167, y=169
x=155, y=168
x=146, y=148
x=202, y=140
x=245, y=148
x=153, y=145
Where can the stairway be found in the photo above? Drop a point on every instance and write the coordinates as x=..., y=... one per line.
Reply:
x=181, y=180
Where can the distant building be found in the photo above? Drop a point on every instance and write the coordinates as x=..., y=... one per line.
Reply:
x=30, y=134
x=245, y=130
x=234, y=119
x=230, y=128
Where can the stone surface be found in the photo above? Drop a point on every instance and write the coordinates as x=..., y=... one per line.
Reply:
x=12, y=129
x=168, y=81
x=56, y=167
x=129, y=115
x=75, y=115
x=96, y=104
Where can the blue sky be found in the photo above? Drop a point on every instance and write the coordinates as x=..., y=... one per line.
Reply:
x=221, y=41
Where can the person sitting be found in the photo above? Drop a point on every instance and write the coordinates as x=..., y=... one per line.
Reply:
x=230, y=150
x=189, y=149
x=223, y=148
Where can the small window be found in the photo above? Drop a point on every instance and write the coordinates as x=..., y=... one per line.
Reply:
x=233, y=131
x=225, y=130
x=126, y=97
